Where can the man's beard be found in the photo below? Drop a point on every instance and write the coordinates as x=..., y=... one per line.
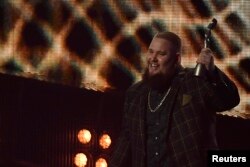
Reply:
x=158, y=81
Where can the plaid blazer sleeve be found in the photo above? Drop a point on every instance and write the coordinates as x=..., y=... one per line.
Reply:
x=221, y=93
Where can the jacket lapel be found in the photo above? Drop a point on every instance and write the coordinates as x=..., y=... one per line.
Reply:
x=175, y=86
x=142, y=117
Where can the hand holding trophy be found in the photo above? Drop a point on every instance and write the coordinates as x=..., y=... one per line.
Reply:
x=205, y=60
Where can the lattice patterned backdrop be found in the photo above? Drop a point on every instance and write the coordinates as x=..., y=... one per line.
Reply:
x=100, y=44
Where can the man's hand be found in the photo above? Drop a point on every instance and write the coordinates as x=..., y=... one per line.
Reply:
x=206, y=58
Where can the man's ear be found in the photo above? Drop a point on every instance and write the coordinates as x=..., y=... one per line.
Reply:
x=178, y=57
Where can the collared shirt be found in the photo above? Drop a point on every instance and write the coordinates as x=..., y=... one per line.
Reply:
x=157, y=131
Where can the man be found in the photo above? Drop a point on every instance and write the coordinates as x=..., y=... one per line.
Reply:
x=169, y=116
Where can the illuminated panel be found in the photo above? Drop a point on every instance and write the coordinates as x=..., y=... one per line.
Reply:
x=81, y=160
x=101, y=162
x=101, y=44
x=84, y=136
x=105, y=141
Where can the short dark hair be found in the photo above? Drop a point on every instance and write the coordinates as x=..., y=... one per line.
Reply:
x=172, y=37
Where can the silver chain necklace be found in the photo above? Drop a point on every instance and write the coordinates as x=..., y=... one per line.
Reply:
x=159, y=105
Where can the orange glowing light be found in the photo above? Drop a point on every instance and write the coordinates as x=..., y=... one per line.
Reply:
x=81, y=160
x=101, y=162
x=105, y=141
x=84, y=136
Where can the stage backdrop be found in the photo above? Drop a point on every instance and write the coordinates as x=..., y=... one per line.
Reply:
x=101, y=44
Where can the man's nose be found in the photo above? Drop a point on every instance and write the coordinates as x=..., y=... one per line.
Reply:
x=153, y=56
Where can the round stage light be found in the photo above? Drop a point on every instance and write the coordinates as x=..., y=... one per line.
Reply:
x=105, y=141
x=101, y=162
x=81, y=160
x=84, y=136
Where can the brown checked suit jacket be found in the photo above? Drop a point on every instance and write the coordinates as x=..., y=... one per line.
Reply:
x=193, y=104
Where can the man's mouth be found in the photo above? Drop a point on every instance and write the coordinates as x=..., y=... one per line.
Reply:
x=153, y=65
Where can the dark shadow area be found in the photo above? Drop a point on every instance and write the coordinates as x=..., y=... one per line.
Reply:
x=39, y=122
